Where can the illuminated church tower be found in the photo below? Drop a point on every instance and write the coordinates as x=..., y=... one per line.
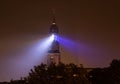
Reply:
x=54, y=53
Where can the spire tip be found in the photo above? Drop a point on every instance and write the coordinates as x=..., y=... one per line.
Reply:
x=53, y=17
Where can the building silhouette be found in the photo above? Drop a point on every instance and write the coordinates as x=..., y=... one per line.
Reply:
x=54, y=51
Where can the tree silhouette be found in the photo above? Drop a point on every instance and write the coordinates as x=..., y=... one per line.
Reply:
x=109, y=75
x=71, y=74
x=60, y=74
x=115, y=71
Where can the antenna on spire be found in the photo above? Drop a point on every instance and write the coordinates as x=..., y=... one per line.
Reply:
x=53, y=16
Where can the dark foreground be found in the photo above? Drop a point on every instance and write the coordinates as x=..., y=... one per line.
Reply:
x=71, y=74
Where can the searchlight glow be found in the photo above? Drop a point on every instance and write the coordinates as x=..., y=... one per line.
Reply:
x=37, y=51
x=52, y=37
x=47, y=42
x=41, y=47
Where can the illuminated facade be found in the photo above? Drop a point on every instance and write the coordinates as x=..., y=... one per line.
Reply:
x=54, y=52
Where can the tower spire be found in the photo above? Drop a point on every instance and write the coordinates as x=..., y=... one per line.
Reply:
x=54, y=51
x=53, y=17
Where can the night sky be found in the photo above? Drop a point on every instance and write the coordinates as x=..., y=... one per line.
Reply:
x=92, y=25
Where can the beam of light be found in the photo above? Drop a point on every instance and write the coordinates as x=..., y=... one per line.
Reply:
x=39, y=49
x=72, y=45
x=52, y=37
x=79, y=51
x=55, y=37
x=34, y=54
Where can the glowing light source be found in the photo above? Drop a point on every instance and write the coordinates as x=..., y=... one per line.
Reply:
x=52, y=37
x=54, y=23
x=46, y=43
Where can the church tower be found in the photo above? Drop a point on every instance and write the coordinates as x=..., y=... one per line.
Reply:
x=54, y=52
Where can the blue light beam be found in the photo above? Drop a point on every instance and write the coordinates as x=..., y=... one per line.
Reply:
x=37, y=52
